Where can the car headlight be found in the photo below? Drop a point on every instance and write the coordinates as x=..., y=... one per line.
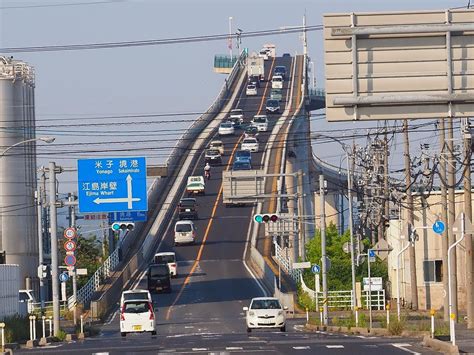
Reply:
x=280, y=313
x=251, y=314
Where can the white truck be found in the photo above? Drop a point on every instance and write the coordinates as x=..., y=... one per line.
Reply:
x=256, y=67
x=271, y=49
x=195, y=185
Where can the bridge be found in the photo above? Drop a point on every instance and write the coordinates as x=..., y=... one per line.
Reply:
x=232, y=260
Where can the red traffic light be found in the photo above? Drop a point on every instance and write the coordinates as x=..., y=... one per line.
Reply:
x=274, y=218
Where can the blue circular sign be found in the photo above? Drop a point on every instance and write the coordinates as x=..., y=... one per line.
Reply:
x=315, y=269
x=439, y=227
x=63, y=277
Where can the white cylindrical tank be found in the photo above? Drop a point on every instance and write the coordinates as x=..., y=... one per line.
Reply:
x=18, y=235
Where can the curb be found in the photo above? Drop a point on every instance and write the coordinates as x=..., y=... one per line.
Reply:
x=365, y=331
x=440, y=345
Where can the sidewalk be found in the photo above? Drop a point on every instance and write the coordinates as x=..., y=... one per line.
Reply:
x=464, y=338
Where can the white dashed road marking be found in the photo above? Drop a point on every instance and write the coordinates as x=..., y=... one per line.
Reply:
x=301, y=347
x=234, y=348
x=200, y=349
x=335, y=346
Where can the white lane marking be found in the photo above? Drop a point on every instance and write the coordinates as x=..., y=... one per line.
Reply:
x=335, y=346
x=402, y=346
x=112, y=318
x=299, y=328
x=200, y=349
x=234, y=348
x=301, y=347
x=100, y=353
x=362, y=337
x=188, y=326
x=187, y=335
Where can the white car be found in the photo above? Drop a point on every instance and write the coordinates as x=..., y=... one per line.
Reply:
x=135, y=295
x=264, y=53
x=250, y=144
x=277, y=82
x=226, y=129
x=217, y=145
x=265, y=312
x=137, y=316
x=251, y=90
x=184, y=232
x=236, y=114
x=261, y=122
x=168, y=258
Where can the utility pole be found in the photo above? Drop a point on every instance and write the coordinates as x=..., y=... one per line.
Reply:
x=452, y=214
x=444, y=216
x=351, y=227
x=323, y=248
x=72, y=224
x=301, y=238
x=54, y=245
x=468, y=213
x=411, y=250
x=386, y=194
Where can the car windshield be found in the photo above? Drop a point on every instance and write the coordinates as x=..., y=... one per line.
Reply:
x=216, y=144
x=242, y=153
x=257, y=119
x=212, y=152
x=276, y=78
x=135, y=296
x=265, y=304
x=226, y=125
x=272, y=103
x=164, y=259
x=250, y=140
x=184, y=227
x=136, y=307
x=236, y=112
x=251, y=87
x=280, y=69
x=187, y=203
x=241, y=165
x=158, y=271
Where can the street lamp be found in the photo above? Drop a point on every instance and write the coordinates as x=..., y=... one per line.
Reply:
x=43, y=139
x=239, y=39
x=230, y=38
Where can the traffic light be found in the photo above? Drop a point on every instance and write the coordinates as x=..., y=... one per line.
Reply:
x=43, y=271
x=124, y=226
x=265, y=218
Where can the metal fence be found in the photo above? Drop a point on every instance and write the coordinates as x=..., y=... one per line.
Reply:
x=285, y=263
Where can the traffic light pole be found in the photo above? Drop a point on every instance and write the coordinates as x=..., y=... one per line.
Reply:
x=39, y=203
x=72, y=222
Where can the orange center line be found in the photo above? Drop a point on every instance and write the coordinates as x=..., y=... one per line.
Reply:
x=208, y=228
x=266, y=87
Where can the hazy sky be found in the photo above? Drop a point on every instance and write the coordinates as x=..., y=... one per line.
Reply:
x=78, y=88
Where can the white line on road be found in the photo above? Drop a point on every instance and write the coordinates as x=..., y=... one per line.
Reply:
x=100, y=353
x=301, y=347
x=335, y=346
x=402, y=346
x=234, y=348
x=200, y=349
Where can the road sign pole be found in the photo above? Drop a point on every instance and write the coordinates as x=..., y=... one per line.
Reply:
x=72, y=219
x=54, y=245
x=351, y=230
x=323, y=247
x=370, y=290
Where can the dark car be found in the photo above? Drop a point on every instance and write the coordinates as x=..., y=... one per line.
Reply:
x=273, y=106
x=159, y=278
x=187, y=208
x=255, y=80
x=243, y=155
x=286, y=55
x=241, y=165
x=280, y=70
x=213, y=156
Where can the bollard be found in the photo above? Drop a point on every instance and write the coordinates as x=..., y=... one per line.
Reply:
x=388, y=314
x=307, y=316
x=31, y=327
x=2, y=330
x=34, y=327
x=432, y=313
x=50, y=326
x=82, y=324
x=357, y=316
x=321, y=315
x=43, y=326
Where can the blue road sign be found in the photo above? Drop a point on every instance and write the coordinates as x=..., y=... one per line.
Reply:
x=112, y=184
x=132, y=216
x=371, y=256
x=439, y=227
x=315, y=269
x=63, y=277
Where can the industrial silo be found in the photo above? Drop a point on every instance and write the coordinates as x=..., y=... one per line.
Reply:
x=18, y=235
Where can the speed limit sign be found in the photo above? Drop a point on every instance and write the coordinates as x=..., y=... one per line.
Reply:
x=70, y=233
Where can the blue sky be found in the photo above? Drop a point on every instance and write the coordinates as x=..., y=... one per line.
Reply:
x=72, y=86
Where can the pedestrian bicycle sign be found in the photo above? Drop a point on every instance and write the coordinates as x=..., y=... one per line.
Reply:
x=63, y=277
x=112, y=184
x=315, y=269
x=439, y=227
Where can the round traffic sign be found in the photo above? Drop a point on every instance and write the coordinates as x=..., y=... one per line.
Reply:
x=315, y=269
x=63, y=277
x=439, y=227
x=70, y=260
x=70, y=233
x=70, y=245
x=346, y=247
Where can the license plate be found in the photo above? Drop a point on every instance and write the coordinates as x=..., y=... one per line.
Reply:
x=188, y=210
x=137, y=327
x=184, y=234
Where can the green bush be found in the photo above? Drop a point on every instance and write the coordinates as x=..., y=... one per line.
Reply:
x=17, y=328
x=61, y=336
x=396, y=326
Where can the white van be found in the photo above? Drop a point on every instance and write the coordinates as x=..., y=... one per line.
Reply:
x=184, y=232
x=277, y=82
x=27, y=302
x=168, y=258
x=135, y=295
